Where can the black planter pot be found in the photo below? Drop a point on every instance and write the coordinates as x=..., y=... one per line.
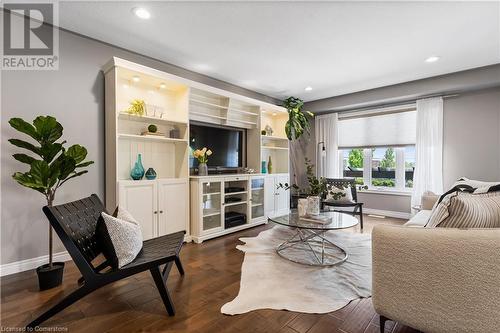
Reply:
x=50, y=277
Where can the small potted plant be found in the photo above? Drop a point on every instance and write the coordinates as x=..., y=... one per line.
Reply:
x=50, y=167
x=202, y=156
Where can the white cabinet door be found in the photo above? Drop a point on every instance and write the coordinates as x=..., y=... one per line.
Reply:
x=140, y=199
x=257, y=197
x=269, y=196
x=282, y=203
x=172, y=207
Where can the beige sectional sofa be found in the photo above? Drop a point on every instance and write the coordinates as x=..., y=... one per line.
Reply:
x=437, y=280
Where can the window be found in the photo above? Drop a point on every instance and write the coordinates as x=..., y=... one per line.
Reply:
x=380, y=168
x=383, y=167
x=352, y=164
x=377, y=146
x=409, y=159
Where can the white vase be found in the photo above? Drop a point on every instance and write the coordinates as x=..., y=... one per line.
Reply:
x=313, y=203
x=302, y=207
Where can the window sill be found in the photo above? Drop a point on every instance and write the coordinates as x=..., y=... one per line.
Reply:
x=387, y=192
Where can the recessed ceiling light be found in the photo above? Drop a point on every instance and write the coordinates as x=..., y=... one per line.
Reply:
x=275, y=114
x=163, y=85
x=432, y=59
x=141, y=13
x=135, y=78
x=308, y=88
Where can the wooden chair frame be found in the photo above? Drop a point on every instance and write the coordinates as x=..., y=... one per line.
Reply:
x=75, y=224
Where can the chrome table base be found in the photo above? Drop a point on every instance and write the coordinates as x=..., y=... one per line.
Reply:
x=324, y=252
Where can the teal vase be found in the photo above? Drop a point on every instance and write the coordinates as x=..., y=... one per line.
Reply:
x=150, y=174
x=263, y=168
x=137, y=171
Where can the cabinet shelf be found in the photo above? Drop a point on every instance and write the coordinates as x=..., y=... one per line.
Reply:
x=276, y=138
x=213, y=193
x=257, y=205
x=234, y=193
x=150, y=138
x=275, y=148
x=208, y=104
x=211, y=213
x=242, y=121
x=149, y=119
x=235, y=203
x=206, y=115
x=257, y=189
x=243, y=112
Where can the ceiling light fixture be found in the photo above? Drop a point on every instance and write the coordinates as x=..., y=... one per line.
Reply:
x=432, y=59
x=308, y=88
x=135, y=78
x=163, y=85
x=141, y=13
x=275, y=114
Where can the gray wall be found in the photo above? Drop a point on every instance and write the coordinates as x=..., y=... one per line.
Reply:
x=471, y=125
x=75, y=96
x=472, y=136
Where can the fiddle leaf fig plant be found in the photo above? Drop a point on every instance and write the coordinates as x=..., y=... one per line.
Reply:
x=50, y=163
x=298, y=120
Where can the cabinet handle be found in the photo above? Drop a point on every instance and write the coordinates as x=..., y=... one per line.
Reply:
x=161, y=212
x=155, y=212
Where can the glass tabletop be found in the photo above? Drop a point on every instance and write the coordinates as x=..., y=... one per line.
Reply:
x=338, y=221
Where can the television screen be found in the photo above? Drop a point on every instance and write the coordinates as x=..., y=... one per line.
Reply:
x=226, y=145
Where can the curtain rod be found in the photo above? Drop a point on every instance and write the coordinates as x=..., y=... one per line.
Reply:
x=384, y=105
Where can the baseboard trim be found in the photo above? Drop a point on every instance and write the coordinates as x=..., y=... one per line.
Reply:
x=388, y=213
x=27, y=264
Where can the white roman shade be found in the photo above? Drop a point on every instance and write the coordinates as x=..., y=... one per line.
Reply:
x=390, y=129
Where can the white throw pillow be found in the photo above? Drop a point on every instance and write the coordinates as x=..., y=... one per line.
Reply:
x=479, y=185
x=125, y=234
x=346, y=194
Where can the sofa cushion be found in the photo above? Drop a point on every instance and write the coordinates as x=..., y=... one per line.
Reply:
x=467, y=210
x=420, y=219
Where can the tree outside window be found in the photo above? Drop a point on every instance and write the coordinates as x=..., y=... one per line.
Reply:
x=353, y=164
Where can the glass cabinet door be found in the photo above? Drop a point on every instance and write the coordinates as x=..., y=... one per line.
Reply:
x=211, y=205
x=257, y=188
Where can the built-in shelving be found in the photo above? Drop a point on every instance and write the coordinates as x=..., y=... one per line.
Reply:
x=149, y=119
x=275, y=148
x=150, y=137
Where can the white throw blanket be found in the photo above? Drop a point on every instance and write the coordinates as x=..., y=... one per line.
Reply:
x=271, y=282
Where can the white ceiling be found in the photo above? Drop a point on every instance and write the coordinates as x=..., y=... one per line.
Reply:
x=279, y=48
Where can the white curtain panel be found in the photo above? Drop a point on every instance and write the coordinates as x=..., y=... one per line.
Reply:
x=428, y=174
x=326, y=129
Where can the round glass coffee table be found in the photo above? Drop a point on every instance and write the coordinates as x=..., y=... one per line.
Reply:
x=308, y=244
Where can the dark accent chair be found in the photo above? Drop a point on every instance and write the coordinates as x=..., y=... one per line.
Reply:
x=357, y=206
x=75, y=224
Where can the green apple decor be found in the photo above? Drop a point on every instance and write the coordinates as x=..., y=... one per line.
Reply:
x=152, y=128
x=50, y=166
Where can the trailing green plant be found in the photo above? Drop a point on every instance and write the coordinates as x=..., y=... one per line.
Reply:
x=53, y=164
x=298, y=120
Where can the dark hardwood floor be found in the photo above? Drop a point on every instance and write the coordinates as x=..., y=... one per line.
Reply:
x=212, y=279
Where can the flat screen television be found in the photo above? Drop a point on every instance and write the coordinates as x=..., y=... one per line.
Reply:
x=226, y=143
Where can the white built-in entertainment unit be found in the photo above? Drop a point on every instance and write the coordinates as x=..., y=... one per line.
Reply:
x=168, y=203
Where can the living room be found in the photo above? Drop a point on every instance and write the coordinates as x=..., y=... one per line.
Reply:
x=276, y=166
